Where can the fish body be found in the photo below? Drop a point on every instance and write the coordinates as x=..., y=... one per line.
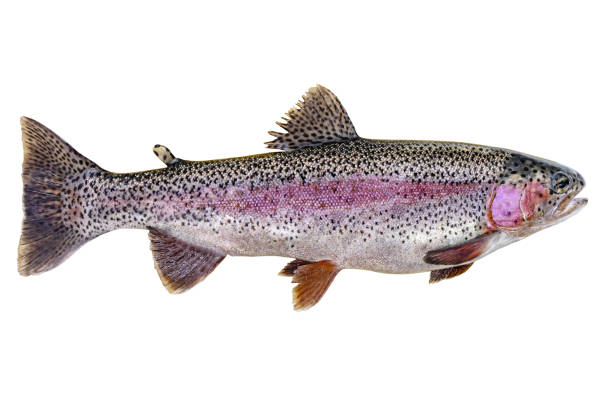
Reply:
x=331, y=200
x=362, y=204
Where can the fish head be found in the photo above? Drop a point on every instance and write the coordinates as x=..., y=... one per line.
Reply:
x=533, y=194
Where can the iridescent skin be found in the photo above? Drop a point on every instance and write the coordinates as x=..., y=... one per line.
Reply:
x=330, y=200
x=363, y=204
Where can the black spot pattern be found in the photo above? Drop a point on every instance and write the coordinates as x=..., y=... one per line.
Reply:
x=320, y=118
x=522, y=169
x=190, y=199
x=164, y=154
x=299, y=204
x=54, y=177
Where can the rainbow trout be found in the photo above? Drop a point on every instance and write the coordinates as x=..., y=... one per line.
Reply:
x=329, y=199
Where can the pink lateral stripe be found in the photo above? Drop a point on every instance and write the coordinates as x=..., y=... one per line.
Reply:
x=320, y=197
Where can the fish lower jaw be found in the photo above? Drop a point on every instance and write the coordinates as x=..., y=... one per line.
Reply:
x=564, y=211
x=569, y=208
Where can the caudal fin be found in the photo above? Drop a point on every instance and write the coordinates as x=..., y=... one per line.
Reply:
x=50, y=167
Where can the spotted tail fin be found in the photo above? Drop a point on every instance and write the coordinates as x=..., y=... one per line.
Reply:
x=52, y=224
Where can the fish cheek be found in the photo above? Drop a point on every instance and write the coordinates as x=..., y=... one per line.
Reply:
x=534, y=199
x=504, y=208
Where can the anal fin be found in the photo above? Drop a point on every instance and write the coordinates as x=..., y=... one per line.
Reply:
x=181, y=265
x=440, y=274
x=312, y=280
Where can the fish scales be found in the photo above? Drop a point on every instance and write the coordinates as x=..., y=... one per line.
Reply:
x=362, y=204
x=331, y=200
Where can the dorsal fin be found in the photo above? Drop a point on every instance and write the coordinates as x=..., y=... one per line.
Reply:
x=320, y=118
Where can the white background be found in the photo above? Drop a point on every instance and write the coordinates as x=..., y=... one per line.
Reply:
x=527, y=326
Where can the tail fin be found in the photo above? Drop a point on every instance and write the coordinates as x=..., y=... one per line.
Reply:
x=49, y=165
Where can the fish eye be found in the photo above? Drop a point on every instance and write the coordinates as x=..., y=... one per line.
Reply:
x=560, y=182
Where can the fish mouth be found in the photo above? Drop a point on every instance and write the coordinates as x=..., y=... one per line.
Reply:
x=568, y=207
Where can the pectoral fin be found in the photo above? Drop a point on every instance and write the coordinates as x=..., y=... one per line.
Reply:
x=437, y=276
x=181, y=265
x=312, y=280
x=462, y=253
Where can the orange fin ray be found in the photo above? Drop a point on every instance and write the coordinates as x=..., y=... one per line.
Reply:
x=313, y=280
x=181, y=265
x=440, y=274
